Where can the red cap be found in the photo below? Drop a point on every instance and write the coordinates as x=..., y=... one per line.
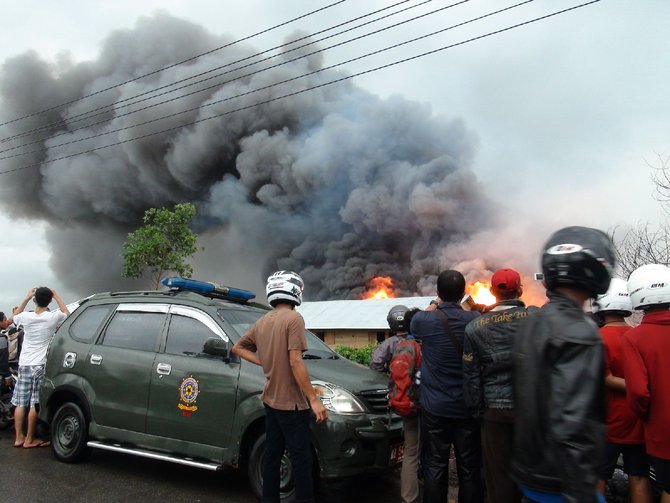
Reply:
x=505, y=281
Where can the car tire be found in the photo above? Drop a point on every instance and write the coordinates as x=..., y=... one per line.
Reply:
x=255, y=471
x=69, y=433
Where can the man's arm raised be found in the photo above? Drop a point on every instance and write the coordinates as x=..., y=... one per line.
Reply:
x=21, y=307
x=61, y=304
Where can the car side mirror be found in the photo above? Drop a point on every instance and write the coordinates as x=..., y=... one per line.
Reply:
x=216, y=346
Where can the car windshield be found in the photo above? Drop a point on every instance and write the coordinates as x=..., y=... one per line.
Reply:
x=241, y=321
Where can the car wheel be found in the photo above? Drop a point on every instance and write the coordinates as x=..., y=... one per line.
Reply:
x=69, y=432
x=255, y=471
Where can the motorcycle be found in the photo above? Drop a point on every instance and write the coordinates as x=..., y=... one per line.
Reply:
x=7, y=385
x=6, y=390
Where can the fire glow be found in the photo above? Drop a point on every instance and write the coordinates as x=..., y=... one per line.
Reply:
x=481, y=293
x=379, y=287
x=382, y=287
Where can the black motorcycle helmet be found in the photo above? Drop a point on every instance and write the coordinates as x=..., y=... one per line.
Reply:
x=578, y=257
x=397, y=319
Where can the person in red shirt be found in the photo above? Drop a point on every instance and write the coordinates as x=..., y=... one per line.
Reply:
x=646, y=358
x=625, y=435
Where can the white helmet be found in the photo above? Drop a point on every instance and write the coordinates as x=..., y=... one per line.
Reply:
x=649, y=286
x=615, y=299
x=284, y=286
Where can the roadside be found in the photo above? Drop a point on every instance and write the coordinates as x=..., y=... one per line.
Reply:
x=106, y=477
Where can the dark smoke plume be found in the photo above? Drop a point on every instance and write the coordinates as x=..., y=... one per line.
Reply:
x=334, y=183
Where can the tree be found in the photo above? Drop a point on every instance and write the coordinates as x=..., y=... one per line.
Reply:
x=646, y=244
x=161, y=245
x=642, y=245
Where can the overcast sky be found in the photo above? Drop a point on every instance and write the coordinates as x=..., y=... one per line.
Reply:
x=567, y=112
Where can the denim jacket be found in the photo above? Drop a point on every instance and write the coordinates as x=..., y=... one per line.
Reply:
x=487, y=357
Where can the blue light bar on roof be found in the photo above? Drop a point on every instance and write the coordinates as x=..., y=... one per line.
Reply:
x=208, y=288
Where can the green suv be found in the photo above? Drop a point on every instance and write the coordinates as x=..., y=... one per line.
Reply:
x=151, y=374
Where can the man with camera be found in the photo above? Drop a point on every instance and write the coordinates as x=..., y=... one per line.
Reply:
x=445, y=419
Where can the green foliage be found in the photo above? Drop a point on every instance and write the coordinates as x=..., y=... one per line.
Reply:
x=162, y=244
x=359, y=355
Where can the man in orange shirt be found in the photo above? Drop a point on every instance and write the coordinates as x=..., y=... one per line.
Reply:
x=276, y=342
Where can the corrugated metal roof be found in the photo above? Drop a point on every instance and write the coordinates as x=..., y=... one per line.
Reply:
x=369, y=314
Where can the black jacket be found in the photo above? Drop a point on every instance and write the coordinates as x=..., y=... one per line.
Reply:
x=487, y=357
x=560, y=401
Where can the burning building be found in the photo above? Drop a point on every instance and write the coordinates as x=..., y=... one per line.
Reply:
x=354, y=323
x=357, y=323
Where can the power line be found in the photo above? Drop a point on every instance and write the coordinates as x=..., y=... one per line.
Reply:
x=263, y=88
x=97, y=135
x=104, y=109
x=219, y=84
x=335, y=81
x=192, y=58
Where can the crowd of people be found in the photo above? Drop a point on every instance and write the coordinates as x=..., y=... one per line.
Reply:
x=539, y=404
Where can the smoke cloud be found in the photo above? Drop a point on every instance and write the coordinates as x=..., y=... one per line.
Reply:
x=334, y=183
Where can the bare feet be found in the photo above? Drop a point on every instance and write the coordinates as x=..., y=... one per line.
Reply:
x=19, y=442
x=36, y=443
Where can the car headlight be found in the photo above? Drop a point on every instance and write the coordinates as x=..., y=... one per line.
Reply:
x=337, y=399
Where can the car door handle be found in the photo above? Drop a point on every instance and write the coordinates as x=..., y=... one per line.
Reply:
x=164, y=369
x=69, y=360
x=96, y=359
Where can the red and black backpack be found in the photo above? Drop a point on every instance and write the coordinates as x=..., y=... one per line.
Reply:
x=404, y=391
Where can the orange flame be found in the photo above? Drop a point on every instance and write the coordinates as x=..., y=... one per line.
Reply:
x=379, y=287
x=481, y=293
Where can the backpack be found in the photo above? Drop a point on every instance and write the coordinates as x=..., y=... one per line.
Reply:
x=404, y=391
